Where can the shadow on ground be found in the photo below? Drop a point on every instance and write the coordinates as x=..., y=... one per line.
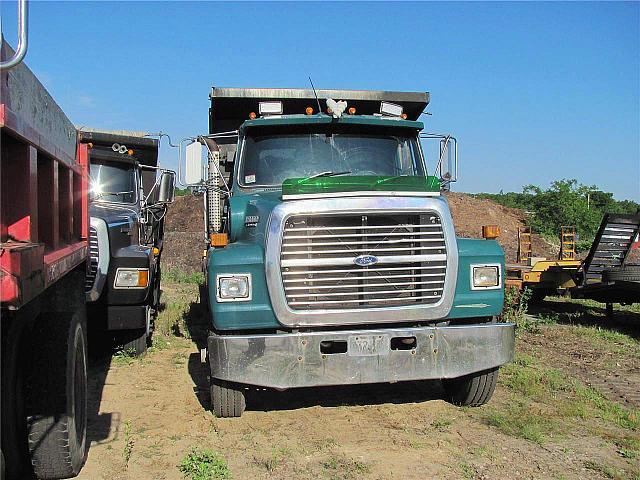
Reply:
x=570, y=313
x=265, y=400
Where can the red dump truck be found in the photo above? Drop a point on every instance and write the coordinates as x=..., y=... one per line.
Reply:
x=43, y=254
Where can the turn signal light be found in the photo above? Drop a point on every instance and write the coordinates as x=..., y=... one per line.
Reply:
x=156, y=251
x=490, y=231
x=219, y=239
x=352, y=110
x=308, y=111
x=129, y=152
x=403, y=116
x=252, y=116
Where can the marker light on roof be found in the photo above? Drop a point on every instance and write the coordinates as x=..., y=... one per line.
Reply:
x=270, y=108
x=390, y=109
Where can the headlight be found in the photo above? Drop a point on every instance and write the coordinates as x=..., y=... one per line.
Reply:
x=485, y=276
x=234, y=288
x=132, y=278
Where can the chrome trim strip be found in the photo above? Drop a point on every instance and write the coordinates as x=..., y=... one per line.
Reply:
x=295, y=360
x=369, y=269
x=103, y=259
x=360, y=285
x=355, y=205
x=312, y=196
x=304, y=262
x=359, y=279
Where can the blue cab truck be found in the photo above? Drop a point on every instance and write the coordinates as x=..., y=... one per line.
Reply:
x=331, y=254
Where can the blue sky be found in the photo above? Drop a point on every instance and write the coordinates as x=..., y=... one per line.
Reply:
x=533, y=91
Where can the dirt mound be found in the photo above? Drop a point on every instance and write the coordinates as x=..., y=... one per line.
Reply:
x=184, y=234
x=184, y=226
x=470, y=214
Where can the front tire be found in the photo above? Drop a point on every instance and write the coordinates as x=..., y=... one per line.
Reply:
x=56, y=402
x=471, y=390
x=226, y=401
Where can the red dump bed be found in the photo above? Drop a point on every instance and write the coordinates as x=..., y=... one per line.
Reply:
x=44, y=188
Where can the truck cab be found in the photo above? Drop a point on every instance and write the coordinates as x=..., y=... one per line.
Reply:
x=129, y=195
x=332, y=255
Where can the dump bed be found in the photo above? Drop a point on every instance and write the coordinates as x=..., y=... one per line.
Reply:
x=44, y=204
x=231, y=106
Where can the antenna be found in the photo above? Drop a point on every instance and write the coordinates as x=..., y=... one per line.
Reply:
x=316, y=94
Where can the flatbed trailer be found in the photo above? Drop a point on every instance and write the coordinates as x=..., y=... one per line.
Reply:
x=43, y=253
x=605, y=275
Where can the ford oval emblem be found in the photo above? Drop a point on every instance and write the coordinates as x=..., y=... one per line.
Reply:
x=365, y=260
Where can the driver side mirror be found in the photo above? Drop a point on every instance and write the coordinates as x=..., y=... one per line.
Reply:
x=444, y=149
x=167, y=187
x=448, y=163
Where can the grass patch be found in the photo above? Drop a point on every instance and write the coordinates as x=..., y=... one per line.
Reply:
x=467, y=471
x=442, y=424
x=204, y=464
x=179, y=276
x=125, y=357
x=340, y=468
x=564, y=399
x=515, y=305
x=171, y=320
x=128, y=443
x=276, y=459
x=605, y=470
x=519, y=420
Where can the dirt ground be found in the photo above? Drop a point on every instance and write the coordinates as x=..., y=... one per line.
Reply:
x=552, y=416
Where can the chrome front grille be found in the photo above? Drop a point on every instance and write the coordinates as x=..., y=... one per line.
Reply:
x=94, y=256
x=406, y=251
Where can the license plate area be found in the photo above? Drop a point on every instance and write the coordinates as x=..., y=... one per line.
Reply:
x=368, y=345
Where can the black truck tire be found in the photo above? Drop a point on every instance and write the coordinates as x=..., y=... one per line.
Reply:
x=626, y=273
x=471, y=390
x=56, y=396
x=226, y=401
x=13, y=427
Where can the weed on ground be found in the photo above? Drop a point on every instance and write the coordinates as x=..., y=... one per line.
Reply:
x=204, y=464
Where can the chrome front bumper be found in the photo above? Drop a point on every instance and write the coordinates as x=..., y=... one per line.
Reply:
x=295, y=360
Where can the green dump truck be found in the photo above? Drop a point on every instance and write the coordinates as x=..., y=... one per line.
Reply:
x=331, y=254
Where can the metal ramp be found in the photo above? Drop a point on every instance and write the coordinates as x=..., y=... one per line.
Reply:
x=524, y=245
x=611, y=246
x=567, y=243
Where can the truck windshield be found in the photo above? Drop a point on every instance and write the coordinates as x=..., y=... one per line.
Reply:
x=112, y=182
x=268, y=160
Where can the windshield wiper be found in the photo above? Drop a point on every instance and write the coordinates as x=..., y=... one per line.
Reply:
x=101, y=194
x=328, y=174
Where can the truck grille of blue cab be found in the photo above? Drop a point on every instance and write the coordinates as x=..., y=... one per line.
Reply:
x=402, y=261
x=94, y=255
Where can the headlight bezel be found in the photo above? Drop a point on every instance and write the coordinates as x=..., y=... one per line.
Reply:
x=126, y=270
x=228, y=276
x=472, y=274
